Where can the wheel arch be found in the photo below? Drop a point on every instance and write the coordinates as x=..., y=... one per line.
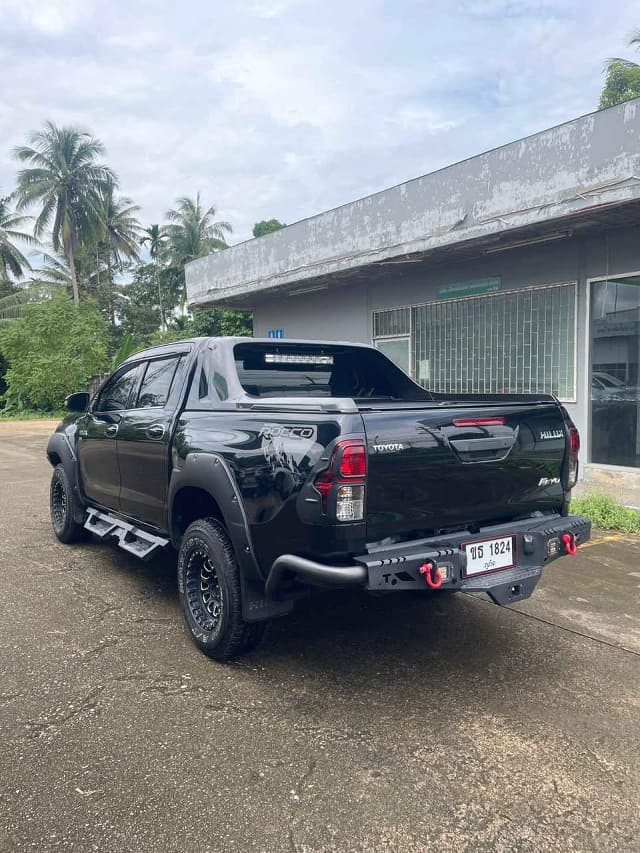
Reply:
x=61, y=452
x=205, y=487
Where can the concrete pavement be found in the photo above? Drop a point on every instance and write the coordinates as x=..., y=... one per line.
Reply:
x=361, y=724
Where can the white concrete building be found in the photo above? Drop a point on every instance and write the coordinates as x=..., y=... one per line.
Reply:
x=516, y=270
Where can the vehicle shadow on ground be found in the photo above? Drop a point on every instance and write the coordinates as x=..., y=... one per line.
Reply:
x=459, y=635
x=350, y=635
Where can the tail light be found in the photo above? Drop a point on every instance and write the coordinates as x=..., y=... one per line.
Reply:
x=345, y=478
x=572, y=463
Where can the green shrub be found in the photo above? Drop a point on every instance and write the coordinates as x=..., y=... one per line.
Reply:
x=54, y=348
x=607, y=514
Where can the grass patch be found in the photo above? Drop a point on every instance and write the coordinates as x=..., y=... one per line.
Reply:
x=27, y=415
x=607, y=514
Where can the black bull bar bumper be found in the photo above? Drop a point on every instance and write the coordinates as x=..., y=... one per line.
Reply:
x=406, y=565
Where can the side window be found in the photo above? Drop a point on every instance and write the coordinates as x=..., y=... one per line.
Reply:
x=154, y=391
x=116, y=393
x=209, y=386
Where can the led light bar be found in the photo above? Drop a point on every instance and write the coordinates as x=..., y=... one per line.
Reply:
x=292, y=358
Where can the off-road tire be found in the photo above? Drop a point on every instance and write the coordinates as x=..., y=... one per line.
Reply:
x=63, y=505
x=209, y=587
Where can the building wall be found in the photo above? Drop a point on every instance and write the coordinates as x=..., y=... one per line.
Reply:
x=336, y=314
x=345, y=312
x=578, y=166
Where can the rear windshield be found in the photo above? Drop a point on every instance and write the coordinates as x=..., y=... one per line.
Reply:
x=324, y=371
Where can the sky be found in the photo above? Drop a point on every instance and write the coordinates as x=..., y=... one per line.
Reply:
x=286, y=108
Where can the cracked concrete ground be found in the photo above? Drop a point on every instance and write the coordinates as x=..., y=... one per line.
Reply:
x=361, y=724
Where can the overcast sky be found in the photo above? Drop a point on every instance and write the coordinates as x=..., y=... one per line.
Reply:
x=284, y=108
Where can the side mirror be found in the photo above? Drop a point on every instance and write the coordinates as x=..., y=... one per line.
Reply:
x=78, y=402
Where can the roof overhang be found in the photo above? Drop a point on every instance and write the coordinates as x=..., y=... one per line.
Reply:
x=555, y=184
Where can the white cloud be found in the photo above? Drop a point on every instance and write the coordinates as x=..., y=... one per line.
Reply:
x=285, y=83
x=51, y=17
x=286, y=107
x=272, y=8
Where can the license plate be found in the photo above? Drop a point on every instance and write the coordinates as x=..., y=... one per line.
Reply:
x=489, y=555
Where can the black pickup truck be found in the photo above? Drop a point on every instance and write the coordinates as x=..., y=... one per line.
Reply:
x=276, y=466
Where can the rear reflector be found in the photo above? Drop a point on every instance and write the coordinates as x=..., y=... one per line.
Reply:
x=478, y=422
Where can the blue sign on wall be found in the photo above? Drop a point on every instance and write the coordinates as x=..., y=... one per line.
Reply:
x=275, y=333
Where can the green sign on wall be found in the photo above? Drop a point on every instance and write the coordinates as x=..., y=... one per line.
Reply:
x=475, y=287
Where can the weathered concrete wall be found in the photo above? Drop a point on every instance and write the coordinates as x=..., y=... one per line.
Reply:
x=570, y=168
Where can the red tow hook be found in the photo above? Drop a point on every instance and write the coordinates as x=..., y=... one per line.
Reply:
x=570, y=544
x=432, y=578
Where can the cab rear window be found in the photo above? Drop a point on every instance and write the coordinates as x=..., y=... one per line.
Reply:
x=302, y=371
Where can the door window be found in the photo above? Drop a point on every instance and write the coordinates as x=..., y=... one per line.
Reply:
x=156, y=385
x=115, y=395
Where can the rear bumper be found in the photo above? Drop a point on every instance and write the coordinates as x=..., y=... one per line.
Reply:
x=393, y=568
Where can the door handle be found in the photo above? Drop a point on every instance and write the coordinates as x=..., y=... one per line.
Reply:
x=111, y=431
x=156, y=431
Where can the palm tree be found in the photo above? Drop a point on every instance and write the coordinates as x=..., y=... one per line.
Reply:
x=634, y=41
x=121, y=235
x=122, y=230
x=192, y=233
x=53, y=274
x=155, y=236
x=12, y=261
x=68, y=183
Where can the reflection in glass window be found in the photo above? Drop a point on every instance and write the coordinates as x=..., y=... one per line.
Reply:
x=156, y=384
x=114, y=397
x=615, y=359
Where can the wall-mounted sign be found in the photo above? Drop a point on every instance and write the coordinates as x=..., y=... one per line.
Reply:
x=475, y=287
x=275, y=333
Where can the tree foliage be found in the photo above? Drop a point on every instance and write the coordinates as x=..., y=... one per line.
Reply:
x=621, y=84
x=622, y=81
x=53, y=349
x=267, y=226
x=94, y=256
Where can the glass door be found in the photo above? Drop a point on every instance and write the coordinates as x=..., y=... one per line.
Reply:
x=615, y=374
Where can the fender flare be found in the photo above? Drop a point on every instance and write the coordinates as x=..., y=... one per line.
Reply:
x=60, y=447
x=211, y=473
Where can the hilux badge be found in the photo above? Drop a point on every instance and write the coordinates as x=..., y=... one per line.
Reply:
x=551, y=434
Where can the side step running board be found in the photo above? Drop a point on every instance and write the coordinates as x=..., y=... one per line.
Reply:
x=130, y=538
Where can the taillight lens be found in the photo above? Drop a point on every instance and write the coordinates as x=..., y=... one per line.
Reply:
x=345, y=475
x=574, y=449
x=354, y=460
x=574, y=441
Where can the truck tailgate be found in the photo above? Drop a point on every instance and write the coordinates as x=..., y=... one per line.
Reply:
x=448, y=466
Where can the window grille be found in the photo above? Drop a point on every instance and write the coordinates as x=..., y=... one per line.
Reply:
x=516, y=342
x=392, y=323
